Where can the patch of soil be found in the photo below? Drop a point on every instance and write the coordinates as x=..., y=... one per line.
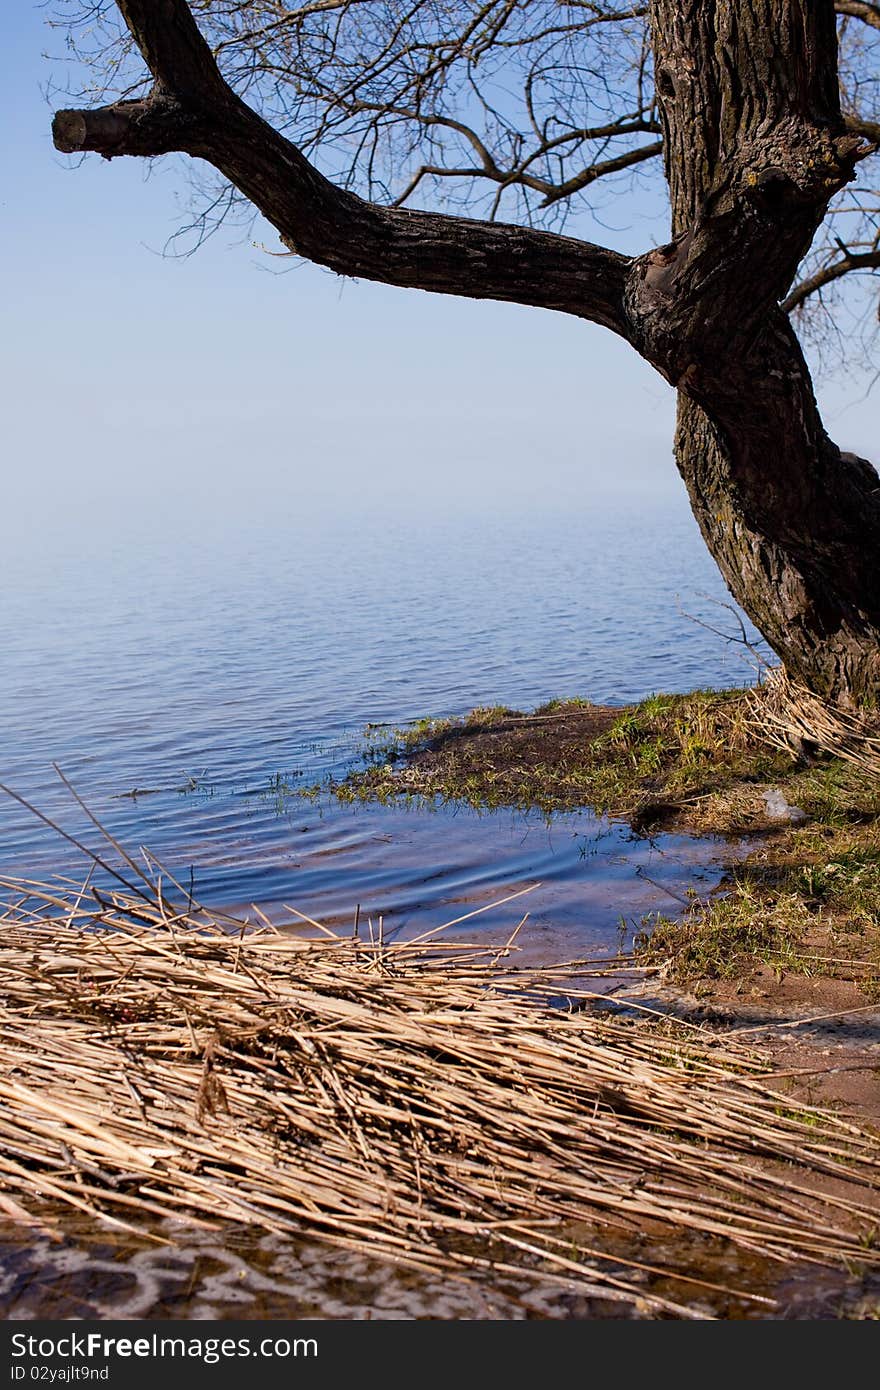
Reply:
x=834, y=1060
x=684, y=763
x=506, y=750
x=822, y=1034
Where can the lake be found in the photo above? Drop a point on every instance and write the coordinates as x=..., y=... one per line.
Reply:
x=214, y=666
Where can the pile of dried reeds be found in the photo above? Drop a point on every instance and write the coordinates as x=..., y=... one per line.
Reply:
x=420, y=1101
x=787, y=715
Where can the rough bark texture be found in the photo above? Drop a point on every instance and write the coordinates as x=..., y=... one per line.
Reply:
x=754, y=147
x=191, y=109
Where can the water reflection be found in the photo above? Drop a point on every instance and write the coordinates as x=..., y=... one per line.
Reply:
x=187, y=685
x=187, y=691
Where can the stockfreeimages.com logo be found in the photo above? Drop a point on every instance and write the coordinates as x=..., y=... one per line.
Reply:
x=77, y=1347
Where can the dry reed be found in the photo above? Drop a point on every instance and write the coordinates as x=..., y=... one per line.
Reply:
x=787, y=715
x=426, y=1102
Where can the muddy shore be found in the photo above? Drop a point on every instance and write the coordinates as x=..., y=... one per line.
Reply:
x=778, y=970
x=793, y=933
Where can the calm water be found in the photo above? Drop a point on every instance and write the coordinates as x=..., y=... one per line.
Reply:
x=238, y=657
x=230, y=657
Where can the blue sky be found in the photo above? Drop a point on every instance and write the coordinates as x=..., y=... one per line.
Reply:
x=139, y=385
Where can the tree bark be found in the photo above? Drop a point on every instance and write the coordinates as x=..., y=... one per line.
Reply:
x=191, y=109
x=755, y=147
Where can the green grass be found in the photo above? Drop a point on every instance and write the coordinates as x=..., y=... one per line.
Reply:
x=848, y=884
x=643, y=761
x=809, y=903
x=725, y=938
x=808, y=898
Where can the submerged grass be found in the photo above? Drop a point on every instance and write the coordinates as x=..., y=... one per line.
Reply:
x=648, y=762
x=716, y=762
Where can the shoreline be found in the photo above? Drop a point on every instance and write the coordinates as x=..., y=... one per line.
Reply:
x=433, y=1108
x=793, y=931
x=739, y=1064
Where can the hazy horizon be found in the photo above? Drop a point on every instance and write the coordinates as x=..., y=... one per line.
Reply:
x=220, y=384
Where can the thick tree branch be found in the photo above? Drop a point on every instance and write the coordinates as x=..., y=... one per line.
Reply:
x=850, y=261
x=858, y=9
x=869, y=130
x=192, y=109
x=173, y=49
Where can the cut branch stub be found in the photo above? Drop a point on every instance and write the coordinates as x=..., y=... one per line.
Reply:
x=152, y=126
x=192, y=110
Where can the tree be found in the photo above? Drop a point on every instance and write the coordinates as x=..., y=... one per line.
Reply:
x=762, y=112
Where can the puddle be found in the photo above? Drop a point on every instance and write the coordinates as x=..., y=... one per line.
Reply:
x=93, y=1275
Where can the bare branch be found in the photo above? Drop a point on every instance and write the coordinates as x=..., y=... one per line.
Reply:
x=378, y=93
x=192, y=109
x=608, y=166
x=848, y=262
x=869, y=130
x=858, y=9
x=531, y=111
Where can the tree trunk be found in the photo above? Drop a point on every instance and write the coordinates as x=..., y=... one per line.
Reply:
x=755, y=148
x=797, y=545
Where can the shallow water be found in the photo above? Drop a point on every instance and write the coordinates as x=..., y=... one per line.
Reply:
x=216, y=669
x=250, y=1275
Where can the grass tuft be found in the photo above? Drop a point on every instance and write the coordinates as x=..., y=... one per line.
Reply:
x=653, y=763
